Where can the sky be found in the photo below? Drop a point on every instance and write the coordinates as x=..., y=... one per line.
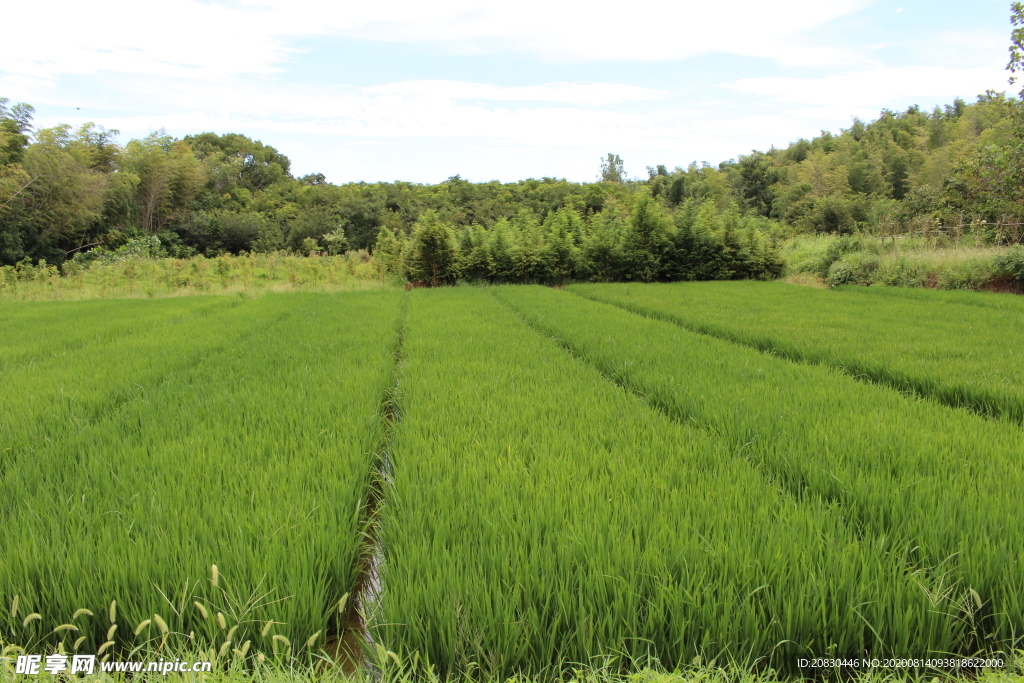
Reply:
x=421, y=91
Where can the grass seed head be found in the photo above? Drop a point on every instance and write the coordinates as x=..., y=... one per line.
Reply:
x=312, y=640
x=35, y=616
x=142, y=625
x=112, y=613
x=214, y=575
x=280, y=639
x=266, y=629
x=202, y=609
x=221, y=621
x=111, y=631
x=80, y=612
x=78, y=643
x=161, y=624
x=104, y=646
x=14, y=606
x=65, y=627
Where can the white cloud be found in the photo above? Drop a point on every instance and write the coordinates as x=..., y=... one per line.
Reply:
x=485, y=130
x=597, y=30
x=875, y=87
x=558, y=113
x=200, y=40
x=567, y=93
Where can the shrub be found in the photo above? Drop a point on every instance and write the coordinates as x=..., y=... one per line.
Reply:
x=900, y=272
x=969, y=274
x=846, y=244
x=857, y=268
x=1011, y=265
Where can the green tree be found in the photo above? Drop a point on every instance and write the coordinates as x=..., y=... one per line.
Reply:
x=236, y=161
x=167, y=180
x=613, y=170
x=434, y=256
x=677, y=190
x=647, y=241
x=313, y=223
x=476, y=262
x=65, y=196
x=603, y=257
x=389, y=253
x=503, y=250
x=562, y=254
x=757, y=177
x=15, y=124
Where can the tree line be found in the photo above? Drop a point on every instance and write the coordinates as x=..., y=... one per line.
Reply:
x=70, y=193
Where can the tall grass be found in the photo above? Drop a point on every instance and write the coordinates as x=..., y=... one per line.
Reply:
x=539, y=516
x=936, y=486
x=160, y=277
x=967, y=356
x=221, y=504
x=968, y=263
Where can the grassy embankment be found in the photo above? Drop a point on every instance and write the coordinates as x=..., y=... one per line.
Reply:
x=939, y=263
x=817, y=260
x=162, y=277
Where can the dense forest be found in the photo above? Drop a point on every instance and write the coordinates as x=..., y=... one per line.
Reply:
x=78, y=194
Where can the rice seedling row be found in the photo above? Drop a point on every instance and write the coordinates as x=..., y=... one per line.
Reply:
x=64, y=330
x=538, y=515
x=968, y=356
x=50, y=400
x=939, y=483
x=941, y=297
x=223, y=509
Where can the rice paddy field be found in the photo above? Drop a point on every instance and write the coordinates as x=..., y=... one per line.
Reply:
x=955, y=347
x=504, y=481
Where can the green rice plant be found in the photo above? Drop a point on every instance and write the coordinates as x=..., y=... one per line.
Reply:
x=940, y=297
x=30, y=333
x=47, y=398
x=222, y=506
x=938, y=486
x=539, y=517
x=968, y=356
